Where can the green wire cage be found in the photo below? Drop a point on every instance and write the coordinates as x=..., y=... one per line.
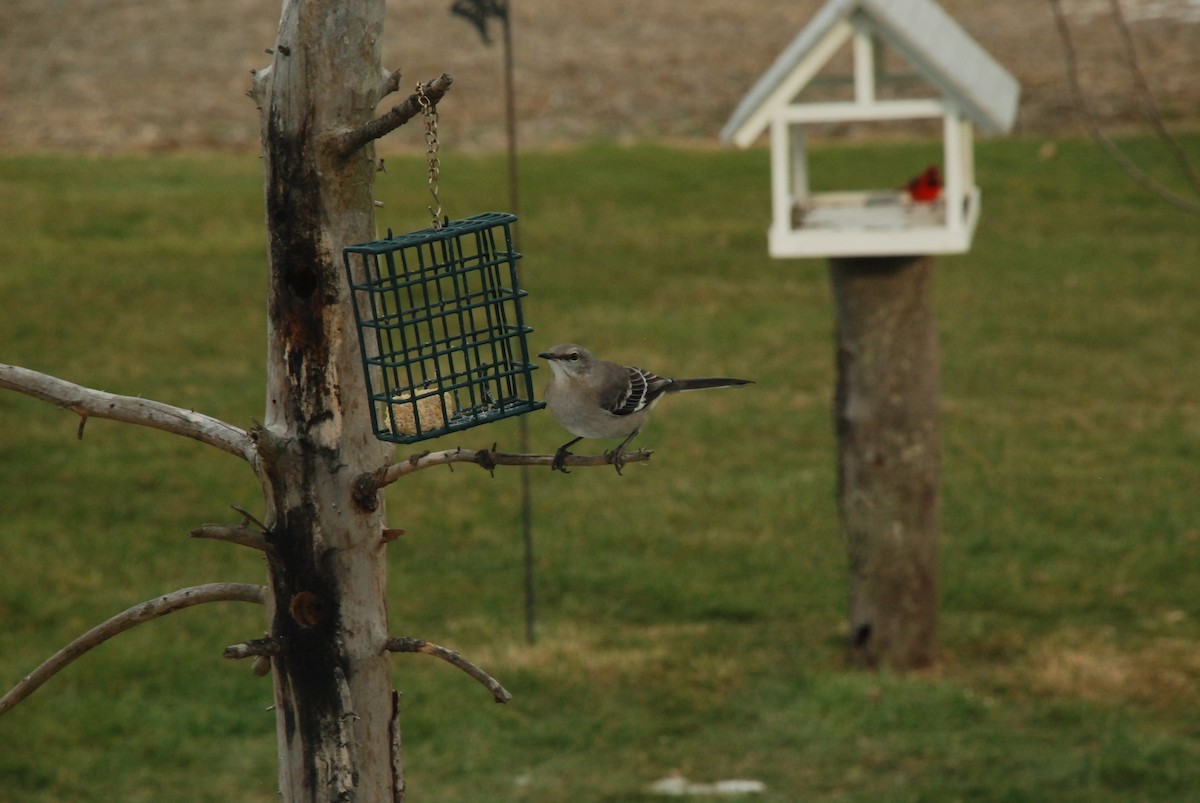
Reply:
x=440, y=326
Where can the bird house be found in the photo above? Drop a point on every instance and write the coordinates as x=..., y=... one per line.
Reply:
x=943, y=74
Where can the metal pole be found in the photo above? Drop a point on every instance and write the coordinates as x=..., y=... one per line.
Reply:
x=514, y=205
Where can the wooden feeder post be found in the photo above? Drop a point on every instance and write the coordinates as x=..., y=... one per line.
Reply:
x=888, y=420
x=880, y=243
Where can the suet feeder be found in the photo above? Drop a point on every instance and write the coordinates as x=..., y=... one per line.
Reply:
x=968, y=87
x=440, y=325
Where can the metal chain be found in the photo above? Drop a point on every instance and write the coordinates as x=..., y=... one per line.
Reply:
x=429, y=110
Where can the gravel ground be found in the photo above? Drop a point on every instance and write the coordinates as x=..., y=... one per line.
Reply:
x=103, y=76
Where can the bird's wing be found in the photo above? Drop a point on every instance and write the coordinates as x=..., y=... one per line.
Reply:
x=641, y=389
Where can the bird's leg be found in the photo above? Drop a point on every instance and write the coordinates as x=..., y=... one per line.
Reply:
x=617, y=456
x=562, y=454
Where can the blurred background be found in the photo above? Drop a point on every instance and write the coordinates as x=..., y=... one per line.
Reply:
x=118, y=75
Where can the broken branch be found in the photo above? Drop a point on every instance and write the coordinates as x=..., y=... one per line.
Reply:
x=142, y=612
x=128, y=409
x=347, y=142
x=233, y=533
x=391, y=82
x=260, y=647
x=408, y=644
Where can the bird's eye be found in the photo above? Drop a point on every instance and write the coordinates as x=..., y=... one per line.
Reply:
x=573, y=356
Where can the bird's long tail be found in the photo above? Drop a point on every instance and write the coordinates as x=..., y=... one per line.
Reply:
x=706, y=382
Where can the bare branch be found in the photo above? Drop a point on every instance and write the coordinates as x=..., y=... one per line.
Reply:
x=142, y=612
x=1127, y=164
x=347, y=142
x=1152, y=110
x=128, y=409
x=260, y=647
x=233, y=533
x=408, y=644
x=236, y=534
x=390, y=83
x=247, y=518
x=369, y=484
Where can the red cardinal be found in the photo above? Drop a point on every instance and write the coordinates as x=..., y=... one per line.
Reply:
x=927, y=186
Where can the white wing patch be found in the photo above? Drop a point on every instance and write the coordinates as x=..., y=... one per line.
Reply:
x=642, y=390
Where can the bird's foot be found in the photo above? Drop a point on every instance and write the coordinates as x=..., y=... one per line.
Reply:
x=559, y=462
x=561, y=455
x=616, y=458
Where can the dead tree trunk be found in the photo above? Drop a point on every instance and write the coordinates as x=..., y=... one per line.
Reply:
x=888, y=424
x=326, y=554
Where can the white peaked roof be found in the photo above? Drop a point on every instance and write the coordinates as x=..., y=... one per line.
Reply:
x=920, y=31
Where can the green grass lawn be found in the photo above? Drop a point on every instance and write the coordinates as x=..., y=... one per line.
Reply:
x=691, y=612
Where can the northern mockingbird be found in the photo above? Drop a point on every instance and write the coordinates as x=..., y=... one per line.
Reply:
x=594, y=398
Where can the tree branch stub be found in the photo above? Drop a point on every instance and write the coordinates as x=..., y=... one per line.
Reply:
x=389, y=82
x=260, y=647
x=234, y=534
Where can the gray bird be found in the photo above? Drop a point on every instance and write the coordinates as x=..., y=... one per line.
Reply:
x=594, y=398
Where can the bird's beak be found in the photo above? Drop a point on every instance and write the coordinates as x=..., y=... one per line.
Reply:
x=545, y=355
